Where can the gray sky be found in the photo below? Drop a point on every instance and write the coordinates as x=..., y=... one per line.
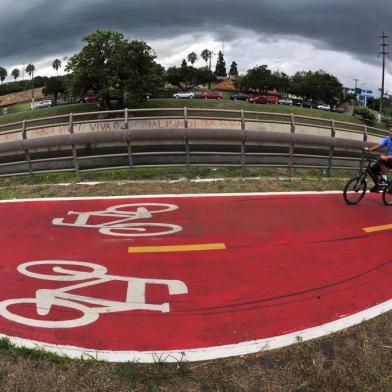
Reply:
x=338, y=36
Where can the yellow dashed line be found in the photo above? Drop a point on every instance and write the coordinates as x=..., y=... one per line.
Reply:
x=175, y=248
x=372, y=229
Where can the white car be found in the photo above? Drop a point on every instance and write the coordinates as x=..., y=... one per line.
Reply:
x=286, y=101
x=186, y=94
x=324, y=106
x=42, y=104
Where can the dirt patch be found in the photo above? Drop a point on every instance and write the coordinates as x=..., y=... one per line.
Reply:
x=20, y=97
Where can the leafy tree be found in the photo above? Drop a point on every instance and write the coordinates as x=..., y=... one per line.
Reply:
x=366, y=114
x=258, y=78
x=56, y=65
x=110, y=62
x=233, y=69
x=3, y=74
x=220, y=68
x=281, y=82
x=318, y=86
x=186, y=78
x=15, y=73
x=192, y=57
x=53, y=87
x=184, y=64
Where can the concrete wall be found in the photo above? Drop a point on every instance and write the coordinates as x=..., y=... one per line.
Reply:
x=179, y=123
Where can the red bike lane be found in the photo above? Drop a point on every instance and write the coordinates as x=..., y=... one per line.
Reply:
x=194, y=276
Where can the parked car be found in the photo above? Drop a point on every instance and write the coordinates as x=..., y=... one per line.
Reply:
x=324, y=106
x=286, y=101
x=184, y=94
x=213, y=95
x=339, y=110
x=264, y=99
x=240, y=97
x=42, y=104
x=307, y=104
x=199, y=94
x=90, y=98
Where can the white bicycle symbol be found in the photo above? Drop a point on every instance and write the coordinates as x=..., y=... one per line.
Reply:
x=122, y=225
x=45, y=299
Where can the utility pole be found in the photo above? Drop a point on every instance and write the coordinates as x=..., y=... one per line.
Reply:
x=383, y=52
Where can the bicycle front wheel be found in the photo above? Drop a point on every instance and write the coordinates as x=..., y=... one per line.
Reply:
x=354, y=190
x=387, y=195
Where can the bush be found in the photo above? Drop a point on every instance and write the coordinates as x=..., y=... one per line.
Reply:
x=366, y=114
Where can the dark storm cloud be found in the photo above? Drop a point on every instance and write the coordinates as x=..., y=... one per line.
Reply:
x=31, y=30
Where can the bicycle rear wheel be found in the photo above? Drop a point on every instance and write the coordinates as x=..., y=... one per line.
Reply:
x=387, y=195
x=354, y=190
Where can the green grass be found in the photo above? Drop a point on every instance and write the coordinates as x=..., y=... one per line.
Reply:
x=54, y=111
x=19, y=107
x=181, y=103
x=166, y=174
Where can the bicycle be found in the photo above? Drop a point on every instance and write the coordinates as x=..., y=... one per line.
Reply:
x=118, y=220
x=79, y=310
x=355, y=189
x=387, y=194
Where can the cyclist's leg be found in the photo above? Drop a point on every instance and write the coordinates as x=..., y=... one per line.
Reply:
x=374, y=172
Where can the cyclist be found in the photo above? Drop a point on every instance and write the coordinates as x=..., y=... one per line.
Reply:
x=385, y=160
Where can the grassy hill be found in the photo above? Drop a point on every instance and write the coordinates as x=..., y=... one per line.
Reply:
x=16, y=116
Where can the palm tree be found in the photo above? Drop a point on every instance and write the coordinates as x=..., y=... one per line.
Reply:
x=30, y=70
x=192, y=57
x=3, y=74
x=15, y=73
x=56, y=65
x=206, y=56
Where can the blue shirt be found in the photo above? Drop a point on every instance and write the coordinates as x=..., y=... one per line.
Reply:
x=387, y=142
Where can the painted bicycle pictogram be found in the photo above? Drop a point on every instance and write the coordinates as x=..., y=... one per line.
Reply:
x=93, y=274
x=123, y=217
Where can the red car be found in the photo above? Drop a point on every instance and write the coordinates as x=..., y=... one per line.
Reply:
x=264, y=99
x=339, y=110
x=90, y=98
x=213, y=95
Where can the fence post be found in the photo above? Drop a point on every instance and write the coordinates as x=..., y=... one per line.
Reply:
x=185, y=117
x=129, y=147
x=365, y=133
x=242, y=119
x=74, y=152
x=291, y=147
x=331, y=149
x=187, y=152
x=26, y=151
x=243, y=141
x=130, y=160
x=365, y=137
x=126, y=118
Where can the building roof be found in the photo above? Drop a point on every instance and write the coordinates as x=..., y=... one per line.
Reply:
x=226, y=84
